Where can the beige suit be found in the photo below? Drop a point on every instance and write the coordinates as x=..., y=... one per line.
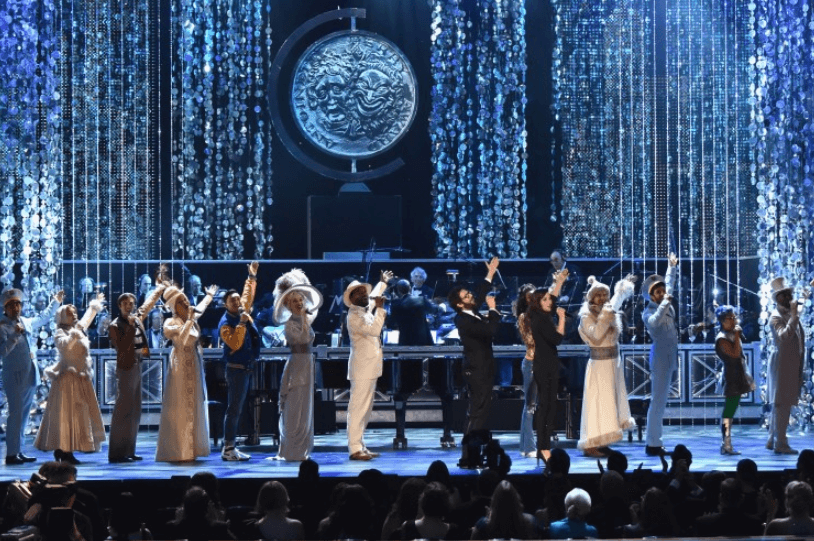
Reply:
x=364, y=365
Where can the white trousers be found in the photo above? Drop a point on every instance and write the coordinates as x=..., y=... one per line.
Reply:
x=359, y=408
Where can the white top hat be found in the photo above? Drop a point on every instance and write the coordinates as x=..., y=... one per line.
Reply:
x=779, y=285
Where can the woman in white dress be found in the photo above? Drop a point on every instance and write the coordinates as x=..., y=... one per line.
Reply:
x=296, y=303
x=605, y=410
x=72, y=420
x=183, y=430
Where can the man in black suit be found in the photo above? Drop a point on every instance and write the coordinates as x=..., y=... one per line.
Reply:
x=476, y=333
x=408, y=314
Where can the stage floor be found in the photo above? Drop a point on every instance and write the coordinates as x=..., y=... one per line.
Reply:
x=423, y=448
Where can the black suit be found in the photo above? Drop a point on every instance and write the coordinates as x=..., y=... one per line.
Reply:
x=479, y=360
x=410, y=316
x=425, y=291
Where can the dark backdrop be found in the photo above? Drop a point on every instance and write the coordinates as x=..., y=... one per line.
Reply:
x=407, y=24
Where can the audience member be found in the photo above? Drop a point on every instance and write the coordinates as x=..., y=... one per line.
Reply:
x=405, y=507
x=209, y=482
x=309, y=502
x=125, y=522
x=505, y=518
x=799, y=501
x=574, y=525
x=198, y=519
x=805, y=466
x=611, y=512
x=653, y=517
x=754, y=499
x=466, y=514
x=730, y=520
x=352, y=516
x=272, y=506
x=435, y=506
x=438, y=472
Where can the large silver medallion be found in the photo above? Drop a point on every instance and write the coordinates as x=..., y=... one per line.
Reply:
x=353, y=94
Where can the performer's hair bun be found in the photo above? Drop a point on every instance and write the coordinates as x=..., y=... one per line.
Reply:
x=591, y=279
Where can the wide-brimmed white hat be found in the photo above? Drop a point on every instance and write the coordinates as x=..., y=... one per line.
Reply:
x=294, y=281
x=171, y=296
x=351, y=286
x=311, y=295
x=779, y=285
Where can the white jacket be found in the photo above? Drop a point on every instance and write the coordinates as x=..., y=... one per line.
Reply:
x=365, y=329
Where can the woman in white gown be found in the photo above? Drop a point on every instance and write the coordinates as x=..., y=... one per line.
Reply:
x=296, y=304
x=183, y=430
x=72, y=420
x=605, y=410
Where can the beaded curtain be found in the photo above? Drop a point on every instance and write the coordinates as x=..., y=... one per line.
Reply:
x=30, y=152
x=782, y=108
x=222, y=147
x=477, y=127
x=654, y=137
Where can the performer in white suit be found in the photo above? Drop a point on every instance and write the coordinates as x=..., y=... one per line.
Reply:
x=366, y=316
x=18, y=353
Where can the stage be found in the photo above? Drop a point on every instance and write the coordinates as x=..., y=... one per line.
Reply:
x=331, y=454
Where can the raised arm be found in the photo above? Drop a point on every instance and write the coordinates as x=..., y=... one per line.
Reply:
x=94, y=307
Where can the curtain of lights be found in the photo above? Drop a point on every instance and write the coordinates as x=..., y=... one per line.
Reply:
x=478, y=129
x=653, y=143
x=221, y=151
x=31, y=114
x=782, y=101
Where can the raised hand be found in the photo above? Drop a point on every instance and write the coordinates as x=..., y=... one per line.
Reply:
x=561, y=276
x=59, y=296
x=491, y=302
x=386, y=276
x=631, y=278
x=560, y=312
x=253, y=266
x=492, y=265
x=672, y=259
x=212, y=290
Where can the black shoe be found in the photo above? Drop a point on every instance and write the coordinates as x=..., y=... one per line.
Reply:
x=14, y=460
x=135, y=457
x=652, y=450
x=67, y=457
x=25, y=458
x=119, y=459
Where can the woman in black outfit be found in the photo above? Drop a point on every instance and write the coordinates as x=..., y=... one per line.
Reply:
x=547, y=337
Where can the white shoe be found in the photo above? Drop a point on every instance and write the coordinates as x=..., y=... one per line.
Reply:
x=231, y=454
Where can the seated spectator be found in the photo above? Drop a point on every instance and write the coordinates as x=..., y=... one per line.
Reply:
x=309, y=502
x=754, y=501
x=125, y=522
x=434, y=504
x=805, y=466
x=505, y=518
x=799, y=501
x=555, y=490
x=272, y=506
x=405, y=507
x=352, y=516
x=375, y=483
x=574, y=526
x=611, y=513
x=439, y=473
x=730, y=520
x=198, y=520
x=466, y=514
x=653, y=517
x=209, y=482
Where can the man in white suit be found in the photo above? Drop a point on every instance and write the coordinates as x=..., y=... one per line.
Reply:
x=366, y=316
x=18, y=353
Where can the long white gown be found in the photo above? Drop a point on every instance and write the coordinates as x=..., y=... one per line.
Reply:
x=183, y=430
x=605, y=409
x=72, y=420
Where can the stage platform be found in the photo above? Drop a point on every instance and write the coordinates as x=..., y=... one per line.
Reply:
x=423, y=448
